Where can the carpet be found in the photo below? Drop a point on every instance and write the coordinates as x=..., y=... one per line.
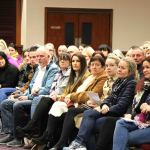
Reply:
x=4, y=147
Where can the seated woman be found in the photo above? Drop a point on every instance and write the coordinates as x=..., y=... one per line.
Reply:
x=9, y=74
x=106, y=130
x=94, y=83
x=14, y=54
x=69, y=124
x=25, y=75
x=77, y=75
x=135, y=130
x=116, y=104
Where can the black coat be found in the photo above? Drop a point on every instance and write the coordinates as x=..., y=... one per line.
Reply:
x=9, y=76
x=120, y=99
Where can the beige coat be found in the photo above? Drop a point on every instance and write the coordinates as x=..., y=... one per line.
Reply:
x=96, y=86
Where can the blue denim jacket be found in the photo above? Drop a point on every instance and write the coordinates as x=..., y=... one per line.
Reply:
x=51, y=70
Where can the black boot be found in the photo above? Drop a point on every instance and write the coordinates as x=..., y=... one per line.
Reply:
x=41, y=140
x=45, y=139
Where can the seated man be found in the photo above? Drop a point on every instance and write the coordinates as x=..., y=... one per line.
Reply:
x=39, y=85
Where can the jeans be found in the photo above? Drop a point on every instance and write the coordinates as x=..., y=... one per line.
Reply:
x=34, y=104
x=12, y=113
x=21, y=114
x=128, y=134
x=6, y=115
x=5, y=92
x=87, y=126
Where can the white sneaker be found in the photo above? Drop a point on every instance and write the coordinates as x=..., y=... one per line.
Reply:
x=76, y=146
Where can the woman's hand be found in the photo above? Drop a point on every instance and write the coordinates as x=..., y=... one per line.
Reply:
x=104, y=109
x=128, y=116
x=22, y=98
x=97, y=109
x=145, y=108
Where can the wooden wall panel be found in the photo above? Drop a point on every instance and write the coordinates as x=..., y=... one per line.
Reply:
x=8, y=20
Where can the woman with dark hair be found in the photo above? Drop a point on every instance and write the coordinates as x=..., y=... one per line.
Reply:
x=95, y=84
x=78, y=73
x=59, y=108
x=14, y=54
x=116, y=104
x=105, y=49
x=8, y=73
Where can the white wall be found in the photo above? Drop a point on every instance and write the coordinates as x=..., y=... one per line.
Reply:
x=130, y=19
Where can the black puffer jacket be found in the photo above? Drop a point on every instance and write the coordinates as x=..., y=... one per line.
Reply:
x=8, y=74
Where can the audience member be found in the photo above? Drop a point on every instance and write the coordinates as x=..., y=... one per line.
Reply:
x=78, y=75
x=116, y=104
x=105, y=49
x=134, y=130
x=9, y=75
x=72, y=50
x=14, y=54
x=25, y=75
x=138, y=56
x=39, y=85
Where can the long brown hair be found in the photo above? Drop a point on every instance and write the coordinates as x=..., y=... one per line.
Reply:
x=140, y=84
x=82, y=70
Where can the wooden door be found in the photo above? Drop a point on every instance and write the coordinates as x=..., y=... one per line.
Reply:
x=76, y=27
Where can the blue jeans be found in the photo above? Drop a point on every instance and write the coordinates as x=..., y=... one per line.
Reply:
x=5, y=92
x=87, y=127
x=12, y=112
x=128, y=134
x=34, y=104
x=6, y=115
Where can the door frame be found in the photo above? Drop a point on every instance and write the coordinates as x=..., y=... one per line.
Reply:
x=78, y=10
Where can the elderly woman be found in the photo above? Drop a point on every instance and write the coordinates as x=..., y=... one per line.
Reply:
x=70, y=124
x=94, y=83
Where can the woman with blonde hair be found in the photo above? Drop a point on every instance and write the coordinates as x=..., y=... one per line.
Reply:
x=134, y=130
x=116, y=104
x=4, y=48
x=88, y=52
x=70, y=124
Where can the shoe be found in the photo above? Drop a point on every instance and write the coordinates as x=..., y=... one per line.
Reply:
x=28, y=144
x=42, y=139
x=65, y=148
x=76, y=146
x=6, y=139
x=15, y=143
